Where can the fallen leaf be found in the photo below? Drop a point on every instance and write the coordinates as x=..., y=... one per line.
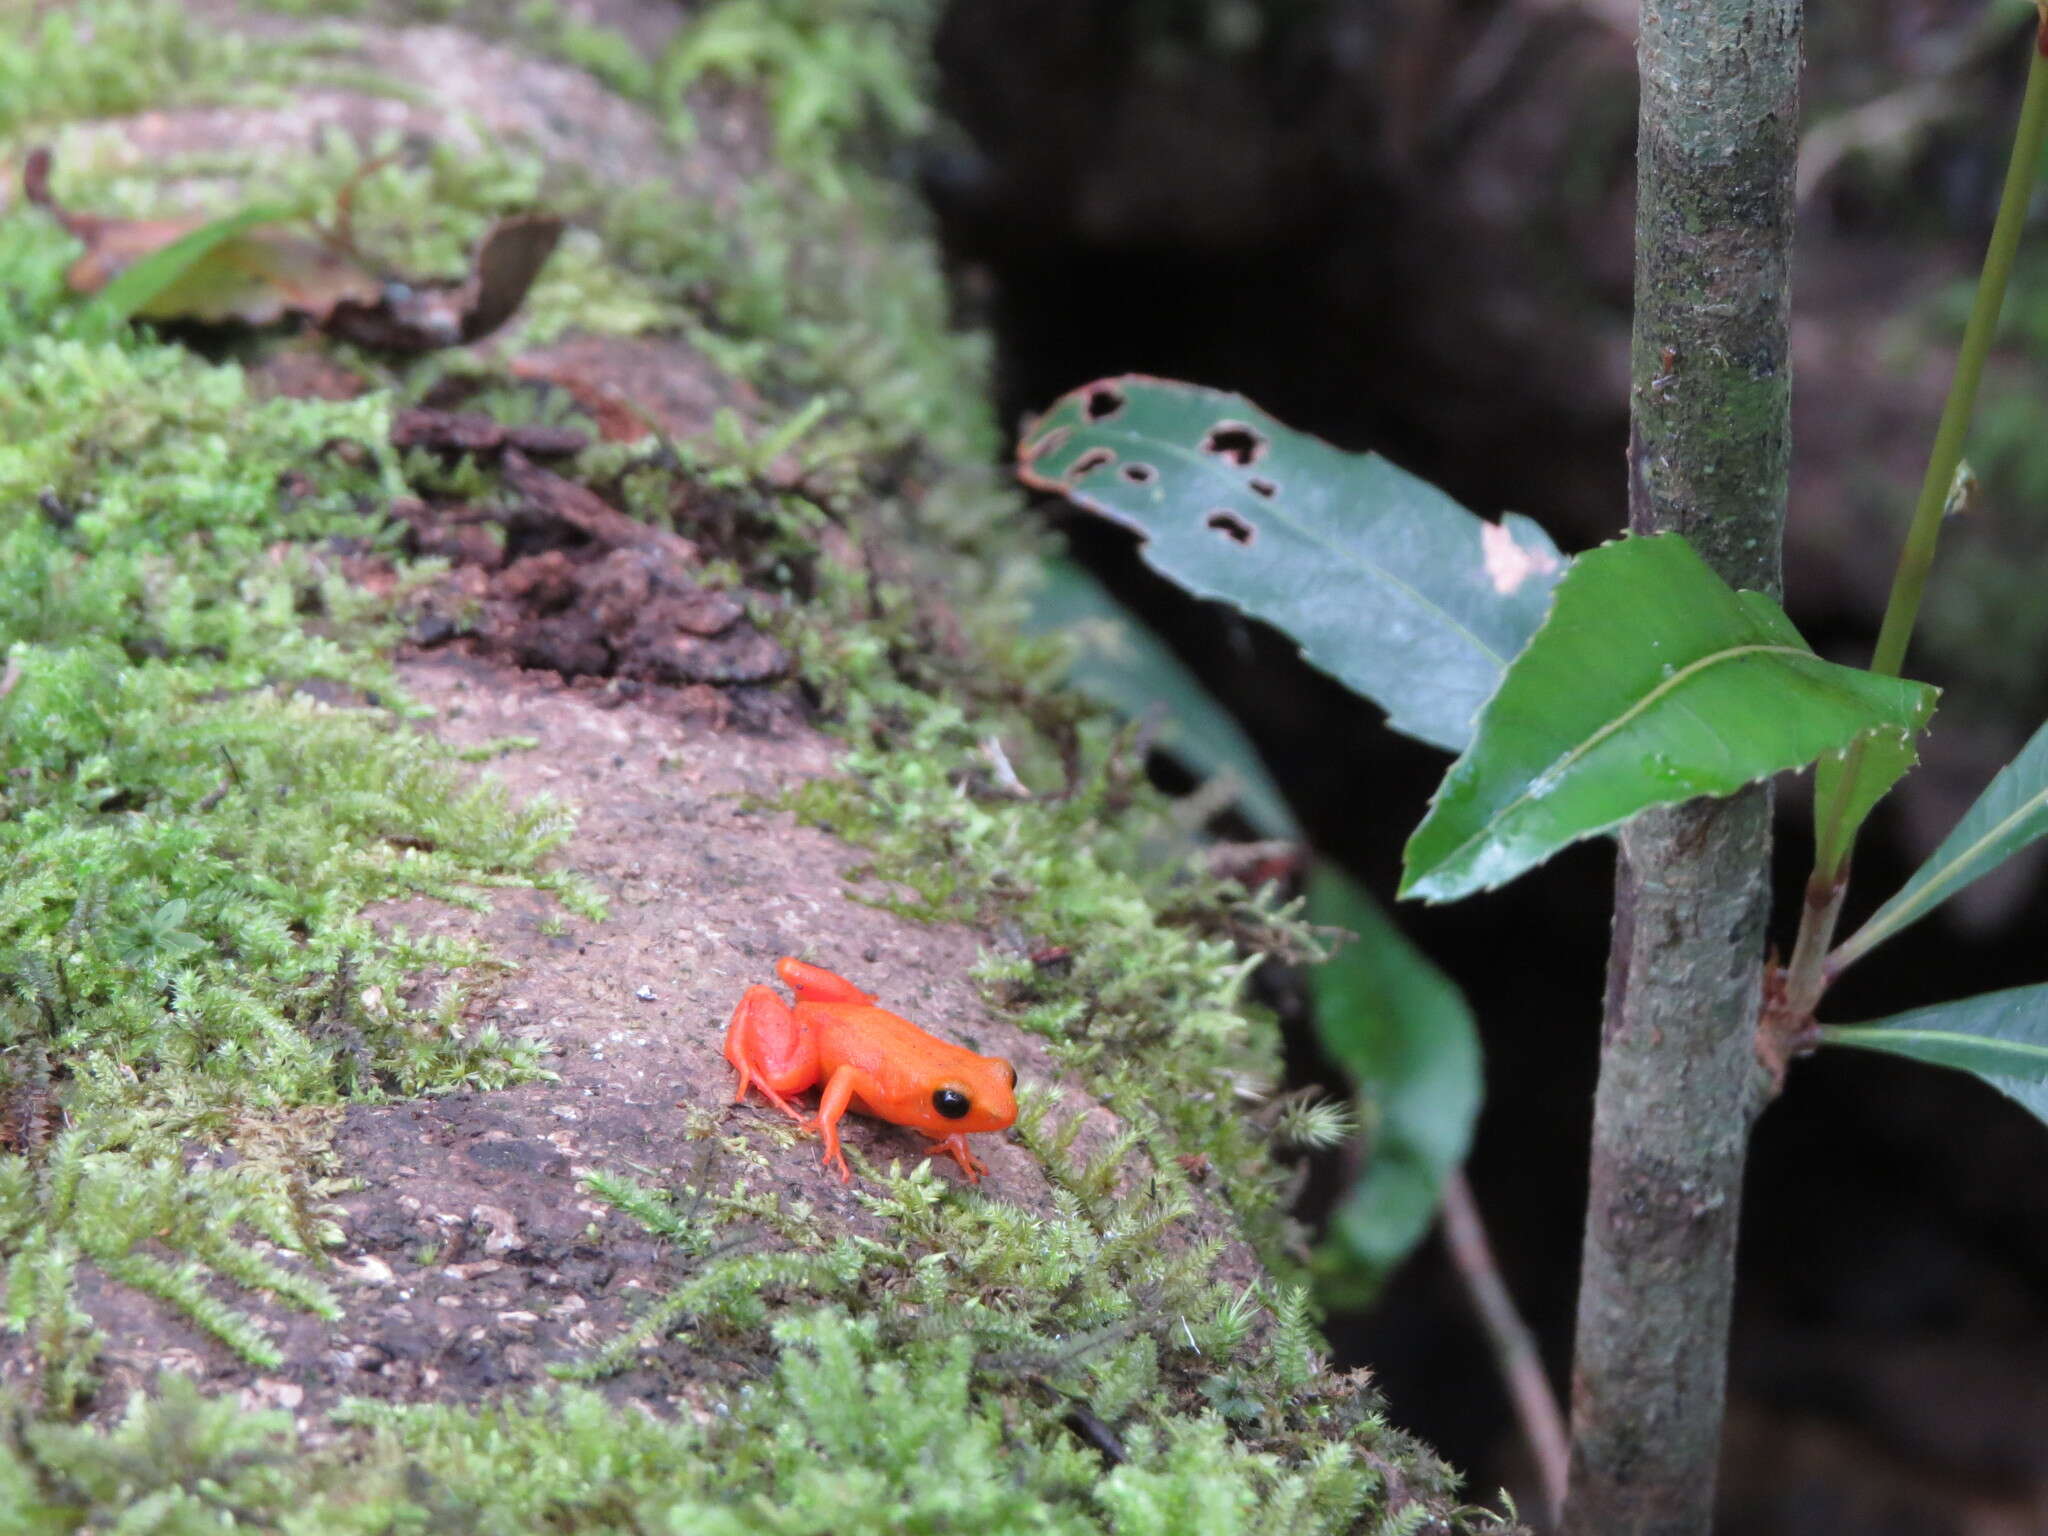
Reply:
x=242, y=267
x=408, y=318
x=250, y=269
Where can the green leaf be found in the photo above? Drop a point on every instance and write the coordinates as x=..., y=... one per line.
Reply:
x=2011, y=813
x=2002, y=1037
x=1651, y=683
x=1884, y=762
x=147, y=280
x=1403, y=1032
x=1120, y=662
x=1380, y=578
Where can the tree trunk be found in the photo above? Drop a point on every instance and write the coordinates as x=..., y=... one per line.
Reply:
x=1680, y=1085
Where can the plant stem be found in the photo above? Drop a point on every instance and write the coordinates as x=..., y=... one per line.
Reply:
x=1514, y=1347
x=1918, y=556
x=1807, y=975
x=1834, y=832
x=1680, y=1086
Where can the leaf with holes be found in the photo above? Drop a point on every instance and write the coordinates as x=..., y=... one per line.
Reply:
x=1380, y=578
x=1402, y=1032
x=2011, y=814
x=1652, y=682
x=1123, y=664
x=2002, y=1037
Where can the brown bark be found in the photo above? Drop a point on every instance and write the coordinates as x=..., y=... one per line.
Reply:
x=1679, y=1082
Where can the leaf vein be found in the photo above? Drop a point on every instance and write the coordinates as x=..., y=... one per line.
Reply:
x=1564, y=764
x=1858, y=1034
x=1940, y=885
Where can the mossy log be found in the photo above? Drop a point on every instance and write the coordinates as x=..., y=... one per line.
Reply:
x=388, y=834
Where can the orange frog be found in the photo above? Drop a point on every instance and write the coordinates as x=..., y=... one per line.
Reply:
x=868, y=1059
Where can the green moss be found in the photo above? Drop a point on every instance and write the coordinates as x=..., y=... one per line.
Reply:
x=830, y=74
x=845, y=1434
x=843, y=1437
x=201, y=795
x=102, y=58
x=105, y=1204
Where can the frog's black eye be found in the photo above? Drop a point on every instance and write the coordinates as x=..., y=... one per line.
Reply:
x=1013, y=1076
x=950, y=1102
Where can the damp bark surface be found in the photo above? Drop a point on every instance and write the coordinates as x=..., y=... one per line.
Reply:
x=1679, y=1083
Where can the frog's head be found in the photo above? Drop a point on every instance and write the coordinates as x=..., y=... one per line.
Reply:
x=979, y=1094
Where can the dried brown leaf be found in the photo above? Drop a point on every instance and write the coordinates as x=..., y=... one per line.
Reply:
x=405, y=318
x=271, y=273
x=258, y=277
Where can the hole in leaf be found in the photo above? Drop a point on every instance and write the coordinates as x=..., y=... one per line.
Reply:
x=1265, y=488
x=1094, y=458
x=1104, y=402
x=1140, y=474
x=1231, y=526
x=1234, y=441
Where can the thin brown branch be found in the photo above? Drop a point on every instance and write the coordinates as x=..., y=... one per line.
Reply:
x=1514, y=1347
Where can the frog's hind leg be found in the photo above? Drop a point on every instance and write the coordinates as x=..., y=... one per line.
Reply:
x=770, y=1050
x=815, y=984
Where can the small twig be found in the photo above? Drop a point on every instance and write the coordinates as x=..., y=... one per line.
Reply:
x=1209, y=799
x=1514, y=1347
x=340, y=237
x=10, y=677
x=1806, y=975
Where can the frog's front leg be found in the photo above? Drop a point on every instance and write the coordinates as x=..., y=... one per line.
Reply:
x=832, y=1104
x=955, y=1146
x=771, y=1049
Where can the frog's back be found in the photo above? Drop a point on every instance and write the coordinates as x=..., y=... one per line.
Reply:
x=882, y=1044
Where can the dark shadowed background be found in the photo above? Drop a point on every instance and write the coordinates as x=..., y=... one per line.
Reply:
x=1405, y=225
